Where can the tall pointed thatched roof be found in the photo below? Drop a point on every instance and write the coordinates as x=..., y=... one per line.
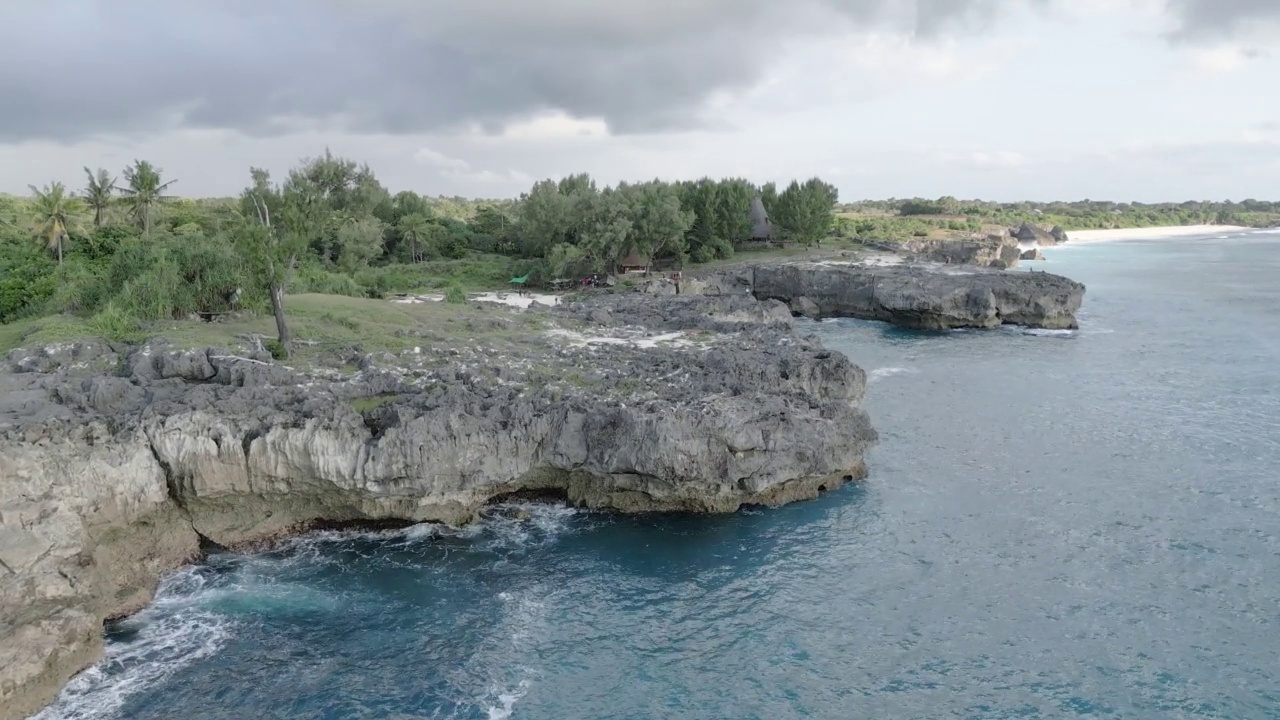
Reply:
x=634, y=259
x=761, y=227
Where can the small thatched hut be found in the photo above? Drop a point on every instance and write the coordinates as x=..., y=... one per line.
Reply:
x=633, y=262
x=761, y=227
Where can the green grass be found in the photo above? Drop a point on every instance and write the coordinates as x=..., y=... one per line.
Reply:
x=830, y=246
x=44, y=331
x=472, y=273
x=320, y=323
x=365, y=404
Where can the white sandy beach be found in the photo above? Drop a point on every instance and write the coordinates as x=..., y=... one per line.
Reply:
x=1075, y=237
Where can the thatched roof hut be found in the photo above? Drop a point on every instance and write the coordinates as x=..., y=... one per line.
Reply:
x=761, y=227
x=633, y=262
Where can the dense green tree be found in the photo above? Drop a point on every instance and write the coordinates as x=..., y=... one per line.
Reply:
x=769, y=197
x=605, y=228
x=658, y=224
x=563, y=258
x=806, y=211
x=498, y=225
x=144, y=192
x=359, y=240
x=545, y=219
x=733, y=208
x=99, y=194
x=705, y=238
x=57, y=214
x=344, y=192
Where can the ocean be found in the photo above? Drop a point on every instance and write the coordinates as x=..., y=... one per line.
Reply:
x=1056, y=525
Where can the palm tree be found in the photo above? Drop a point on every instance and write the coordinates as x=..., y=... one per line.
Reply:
x=57, y=215
x=98, y=195
x=413, y=229
x=144, y=192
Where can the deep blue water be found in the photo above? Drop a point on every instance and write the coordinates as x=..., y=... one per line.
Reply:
x=1057, y=524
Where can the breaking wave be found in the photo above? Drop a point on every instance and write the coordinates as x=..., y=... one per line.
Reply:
x=198, y=610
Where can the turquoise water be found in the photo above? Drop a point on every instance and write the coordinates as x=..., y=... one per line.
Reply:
x=1057, y=524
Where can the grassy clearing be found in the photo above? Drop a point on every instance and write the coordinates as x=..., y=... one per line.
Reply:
x=830, y=248
x=321, y=323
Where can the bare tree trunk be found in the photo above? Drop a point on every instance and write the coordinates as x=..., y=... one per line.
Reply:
x=59, y=250
x=277, y=308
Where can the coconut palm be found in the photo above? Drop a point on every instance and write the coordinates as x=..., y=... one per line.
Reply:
x=414, y=229
x=98, y=194
x=57, y=215
x=144, y=192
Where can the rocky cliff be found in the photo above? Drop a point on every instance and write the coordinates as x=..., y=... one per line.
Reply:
x=995, y=251
x=1030, y=233
x=927, y=297
x=116, y=464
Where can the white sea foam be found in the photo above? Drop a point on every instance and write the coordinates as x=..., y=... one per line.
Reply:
x=166, y=637
x=192, y=618
x=507, y=702
x=1044, y=332
x=524, y=526
x=882, y=373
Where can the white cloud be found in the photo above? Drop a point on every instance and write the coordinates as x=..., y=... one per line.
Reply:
x=1001, y=159
x=1222, y=58
x=459, y=169
x=442, y=162
x=555, y=126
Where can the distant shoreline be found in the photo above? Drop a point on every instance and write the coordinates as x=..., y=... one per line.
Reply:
x=1150, y=233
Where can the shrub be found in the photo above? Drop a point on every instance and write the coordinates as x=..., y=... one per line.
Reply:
x=455, y=295
x=114, y=323
x=315, y=279
x=275, y=348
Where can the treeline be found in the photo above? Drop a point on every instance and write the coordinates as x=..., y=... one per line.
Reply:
x=575, y=224
x=1080, y=215
x=122, y=250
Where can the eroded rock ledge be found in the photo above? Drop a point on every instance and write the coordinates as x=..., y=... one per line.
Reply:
x=922, y=296
x=116, y=464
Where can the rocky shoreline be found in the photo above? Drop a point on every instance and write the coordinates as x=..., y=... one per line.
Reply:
x=119, y=464
x=919, y=296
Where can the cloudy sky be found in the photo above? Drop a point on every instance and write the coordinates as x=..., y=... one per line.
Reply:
x=1001, y=99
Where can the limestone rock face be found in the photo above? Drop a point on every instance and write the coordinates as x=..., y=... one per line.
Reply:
x=926, y=297
x=107, y=481
x=1033, y=254
x=806, y=307
x=86, y=528
x=1030, y=233
x=997, y=251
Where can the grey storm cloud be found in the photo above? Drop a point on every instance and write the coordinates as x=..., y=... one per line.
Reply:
x=1222, y=17
x=75, y=68
x=78, y=67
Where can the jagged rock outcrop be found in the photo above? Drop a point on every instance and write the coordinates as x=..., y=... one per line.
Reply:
x=929, y=297
x=630, y=402
x=1033, y=254
x=1031, y=233
x=805, y=307
x=997, y=251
